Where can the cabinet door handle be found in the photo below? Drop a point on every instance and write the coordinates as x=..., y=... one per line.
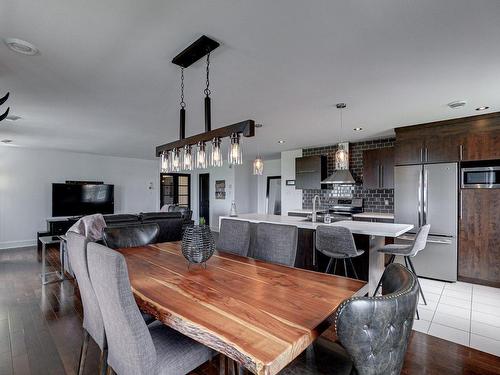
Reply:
x=381, y=176
x=426, y=154
x=461, y=152
x=461, y=204
x=421, y=154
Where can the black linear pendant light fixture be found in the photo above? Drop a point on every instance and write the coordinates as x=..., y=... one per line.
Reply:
x=172, y=158
x=3, y=100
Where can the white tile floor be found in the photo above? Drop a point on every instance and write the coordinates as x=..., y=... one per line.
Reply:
x=467, y=314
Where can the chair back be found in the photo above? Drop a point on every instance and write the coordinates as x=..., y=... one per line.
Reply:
x=276, y=243
x=92, y=317
x=131, y=235
x=130, y=347
x=420, y=240
x=234, y=237
x=375, y=330
x=332, y=240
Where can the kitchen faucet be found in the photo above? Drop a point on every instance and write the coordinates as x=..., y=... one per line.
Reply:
x=314, y=214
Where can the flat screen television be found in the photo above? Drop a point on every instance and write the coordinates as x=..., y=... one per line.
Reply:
x=82, y=199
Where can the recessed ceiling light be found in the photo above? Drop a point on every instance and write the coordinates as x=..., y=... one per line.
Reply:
x=484, y=107
x=12, y=118
x=457, y=104
x=21, y=46
x=357, y=129
x=6, y=140
x=281, y=141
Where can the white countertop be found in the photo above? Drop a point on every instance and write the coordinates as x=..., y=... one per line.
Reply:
x=375, y=215
x=357, y=227
x=305, y=211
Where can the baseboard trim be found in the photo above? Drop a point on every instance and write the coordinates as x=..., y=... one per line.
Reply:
x=16, y=244
x=472, y=280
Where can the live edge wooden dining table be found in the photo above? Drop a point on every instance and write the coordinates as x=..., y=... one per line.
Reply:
x=259, y=314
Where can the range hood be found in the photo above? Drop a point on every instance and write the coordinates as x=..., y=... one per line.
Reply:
x=341, y=175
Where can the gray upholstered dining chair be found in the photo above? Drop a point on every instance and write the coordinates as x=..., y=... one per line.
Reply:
x=372, y=332
x=276, y=243
x=133, y=347
x=234, y=237
x=131, y=235
x=337, y=243
x=93, y=324
x=407, y=252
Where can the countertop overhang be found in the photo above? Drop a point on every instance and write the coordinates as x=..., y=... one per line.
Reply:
x=356, y=227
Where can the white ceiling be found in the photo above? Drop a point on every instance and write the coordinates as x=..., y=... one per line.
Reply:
x=104, y=84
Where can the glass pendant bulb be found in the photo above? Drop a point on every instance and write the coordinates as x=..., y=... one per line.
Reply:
x=258, y=166
x=165, y=162
x=235, y=155
x=176, y=160
x=187, y=162
x=341, y=157
x=201, y=156
x=216, y=153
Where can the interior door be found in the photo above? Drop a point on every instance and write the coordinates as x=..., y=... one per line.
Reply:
x=204, y=197
x=408, y=195
x=440, y=198
x=274, y=195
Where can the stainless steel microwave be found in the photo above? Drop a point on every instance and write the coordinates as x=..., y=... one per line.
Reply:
x=481, y=177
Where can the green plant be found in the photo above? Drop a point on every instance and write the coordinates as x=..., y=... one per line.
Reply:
x=202, y=221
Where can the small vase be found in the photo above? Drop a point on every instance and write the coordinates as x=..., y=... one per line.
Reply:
x=198, y=244
x=233, y=212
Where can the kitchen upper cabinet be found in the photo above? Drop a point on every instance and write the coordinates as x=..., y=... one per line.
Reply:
x=479, y=245
x=310, y=171
x=409, y=147
x=378, y=168
x=465, y=139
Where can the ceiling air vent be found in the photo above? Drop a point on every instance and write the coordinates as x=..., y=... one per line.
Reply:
x=457, y=104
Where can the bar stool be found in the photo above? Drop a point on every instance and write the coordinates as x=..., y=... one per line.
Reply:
x=337, y=243
x=408, y=252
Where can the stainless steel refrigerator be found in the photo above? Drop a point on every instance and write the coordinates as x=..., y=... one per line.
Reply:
x=427, y=194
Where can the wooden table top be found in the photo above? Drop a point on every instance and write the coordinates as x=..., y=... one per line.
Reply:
x=261, y=315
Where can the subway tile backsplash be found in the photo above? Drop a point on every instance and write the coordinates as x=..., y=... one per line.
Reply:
x=379, y=200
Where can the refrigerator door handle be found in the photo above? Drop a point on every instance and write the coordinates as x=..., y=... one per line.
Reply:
x=429, y=240
x=419, y=192
x=426, y=195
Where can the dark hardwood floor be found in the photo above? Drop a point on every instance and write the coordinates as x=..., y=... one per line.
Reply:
x=40, y=330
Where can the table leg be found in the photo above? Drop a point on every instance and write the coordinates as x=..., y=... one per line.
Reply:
x=44, y=273
x=61, y=258
x=375, y=263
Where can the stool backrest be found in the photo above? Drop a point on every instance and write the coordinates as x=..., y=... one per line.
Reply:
x=335, y=239
x=130, y=346
x=375, y=330
x=92, y=317
x=234, y=237
x=276, y=243
x=420, y=239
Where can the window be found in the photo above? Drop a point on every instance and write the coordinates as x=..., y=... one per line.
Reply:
x=175, y=189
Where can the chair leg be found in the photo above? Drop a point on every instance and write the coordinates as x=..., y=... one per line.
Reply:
x=419, y=286
x=391, y=260
x=335, y=267
x=329, y=266
x=83, y=352
x=345, y=269
x=103, y=362
x=353, y=269
x=406, y=262
x=418, y=316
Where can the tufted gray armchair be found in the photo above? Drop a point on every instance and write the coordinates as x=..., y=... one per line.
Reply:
x=375, y=331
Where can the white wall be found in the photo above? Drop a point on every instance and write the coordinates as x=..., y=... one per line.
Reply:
x=291, y=198
x=271, y=168
x=26, y=176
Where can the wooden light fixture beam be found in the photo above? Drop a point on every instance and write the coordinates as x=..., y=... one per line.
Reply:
x=246, y=128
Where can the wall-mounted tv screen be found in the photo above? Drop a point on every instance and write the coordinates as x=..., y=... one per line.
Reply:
x=82, y=199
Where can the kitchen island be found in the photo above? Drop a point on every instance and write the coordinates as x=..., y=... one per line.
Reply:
x=369, y=236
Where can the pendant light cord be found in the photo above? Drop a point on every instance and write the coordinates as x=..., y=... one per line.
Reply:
x=207, y=89
x=182, y=103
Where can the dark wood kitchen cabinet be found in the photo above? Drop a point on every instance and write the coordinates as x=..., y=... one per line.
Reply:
x=378, y=168
x=479, y=242
x=310, y=171
x=465, y=139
